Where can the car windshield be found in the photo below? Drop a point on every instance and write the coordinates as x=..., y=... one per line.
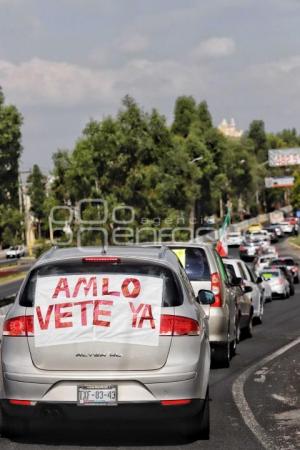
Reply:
x=172, y=294
x=194, y=260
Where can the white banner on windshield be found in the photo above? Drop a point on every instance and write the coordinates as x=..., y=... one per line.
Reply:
x=88, y=308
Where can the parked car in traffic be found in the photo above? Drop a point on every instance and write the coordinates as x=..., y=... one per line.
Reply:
x=105, y=336
x=277, y=281
x=256, y=294
x=272, y=233
x=290, y=263
x=248, y=250
x=286, y=227
x=205, y=270
x=244, y=303
x=254, y=227
x=288, y=275
x=262, y=261
x=15, y=251
x=234, y=238
x=276, y=227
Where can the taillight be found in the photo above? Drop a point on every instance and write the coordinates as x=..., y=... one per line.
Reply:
x=18, y=326
x=216, y=289
x=101, y=259
x=178, y=326
x=21, y=402
x=242, y=248
x=175, y=402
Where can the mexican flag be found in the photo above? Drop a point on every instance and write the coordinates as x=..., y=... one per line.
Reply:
x=222, y=247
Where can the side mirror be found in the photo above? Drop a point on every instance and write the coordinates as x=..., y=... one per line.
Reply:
x=206, y=297
x=259, y=280
x=247, y=289
x=237, y=281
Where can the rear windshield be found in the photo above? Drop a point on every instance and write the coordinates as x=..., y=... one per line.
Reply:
x=288, y=261
x=263, y=260
x=234, y=234
x=269, y=274
x=283, y=262
x=172, y=293
x=195, y=262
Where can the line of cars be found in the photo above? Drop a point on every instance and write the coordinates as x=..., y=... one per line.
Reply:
x=258, y=241
x=206, y=304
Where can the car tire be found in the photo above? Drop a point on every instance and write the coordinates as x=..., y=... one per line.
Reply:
x=222, y=353
x=199, y=427
x=236, y=340
x=292, y=291
x=13, y=427
x=296, y=280
x=249, y=328
x=205, y=420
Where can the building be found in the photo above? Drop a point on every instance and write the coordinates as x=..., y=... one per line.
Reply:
x=229, y=129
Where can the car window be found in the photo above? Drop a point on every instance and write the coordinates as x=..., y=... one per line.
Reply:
x=172, y=293
x=186, y=282
x=195, y=263
x=231, y=270
x=250, y=274
x=242, y=271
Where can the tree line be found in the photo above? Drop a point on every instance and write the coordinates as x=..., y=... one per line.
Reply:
x=136, y=158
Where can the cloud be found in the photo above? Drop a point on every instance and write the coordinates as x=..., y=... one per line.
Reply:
x=134, y=44
x=43, y=82
x=38, y=82
x=214, y=47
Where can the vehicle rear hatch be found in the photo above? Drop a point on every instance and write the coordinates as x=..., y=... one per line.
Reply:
x=195, y=263
x=100, y=315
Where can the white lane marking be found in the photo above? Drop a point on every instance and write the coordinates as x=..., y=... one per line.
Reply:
x=242, y=404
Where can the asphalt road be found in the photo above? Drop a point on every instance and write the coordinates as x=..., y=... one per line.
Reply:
x=281, y=325
x=9, y=289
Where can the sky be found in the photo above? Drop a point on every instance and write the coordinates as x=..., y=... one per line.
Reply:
x=63, y=62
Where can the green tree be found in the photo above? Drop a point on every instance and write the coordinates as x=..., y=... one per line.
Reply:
x=185, y=114
x=258, y=135
x=204, y=118
x=37, y=192
x=10, y=152
x=295, y=195
x=11, y=226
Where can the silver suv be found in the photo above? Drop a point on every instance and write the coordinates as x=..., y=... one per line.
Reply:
x=205, y=270
x=91, y=331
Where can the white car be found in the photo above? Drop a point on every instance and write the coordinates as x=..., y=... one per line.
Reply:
x=271, y=252
x=262, y=262
x=277, y=282
x=234, y=239
x=257, y=295
x=15, y=251
x=286, y=227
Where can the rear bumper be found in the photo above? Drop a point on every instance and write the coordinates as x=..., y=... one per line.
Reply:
x=139, y=411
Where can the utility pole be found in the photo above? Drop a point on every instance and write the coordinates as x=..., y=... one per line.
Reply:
x=24, y=210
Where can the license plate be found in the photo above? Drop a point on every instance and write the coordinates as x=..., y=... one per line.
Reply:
x=104, y=395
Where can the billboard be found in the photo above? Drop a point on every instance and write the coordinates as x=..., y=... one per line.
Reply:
x=279, y=182
x=284, y=157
